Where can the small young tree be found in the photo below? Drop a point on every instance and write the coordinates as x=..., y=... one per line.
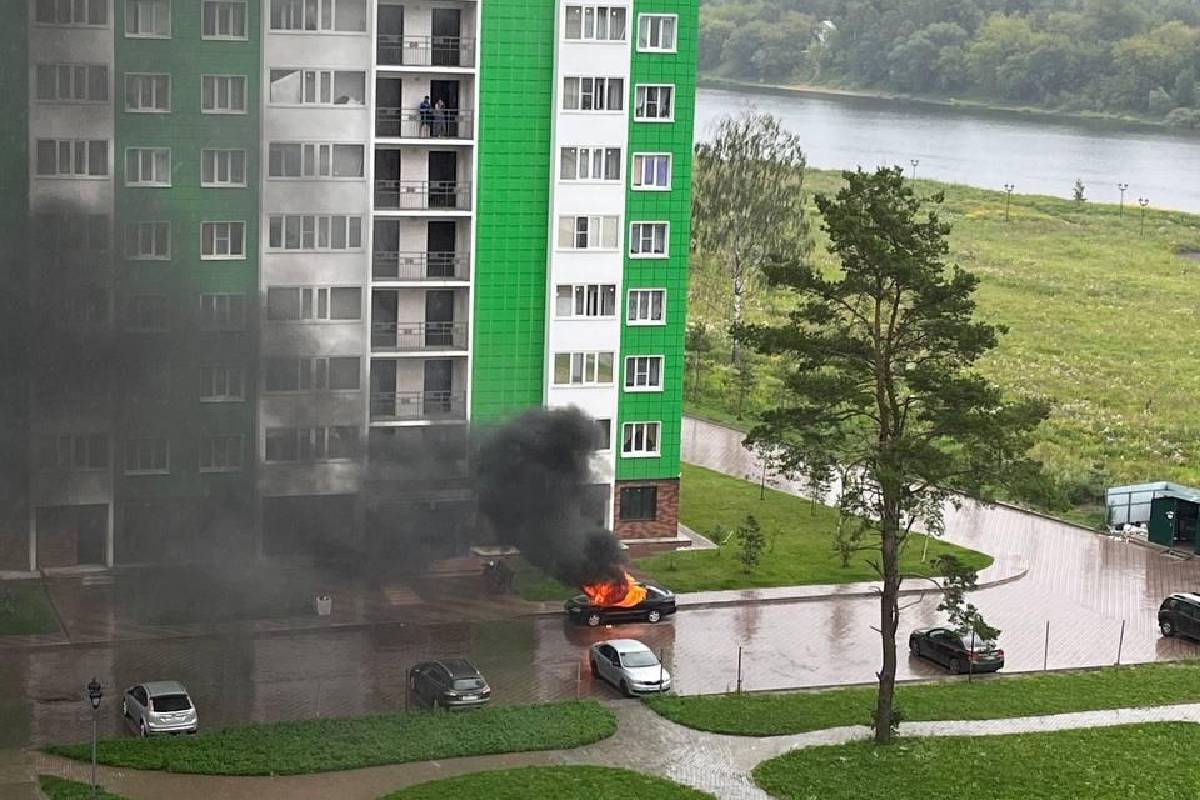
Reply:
x=879, y=361
x=1080, y=191
x=751, y=544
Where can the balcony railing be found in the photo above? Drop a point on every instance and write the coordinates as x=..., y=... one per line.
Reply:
x=425, y=51
x=415, y=336
x=414, y=406
x=403, y=123
x=392, y=265
x=422, y=195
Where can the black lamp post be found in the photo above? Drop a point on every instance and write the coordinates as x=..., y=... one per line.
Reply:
x=95, y=694
x=1008, y=193
x=916, y=162
x=1144, y=202
x=1122, y=188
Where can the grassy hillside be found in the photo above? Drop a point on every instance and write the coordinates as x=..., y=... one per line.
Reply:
x=1103, y=321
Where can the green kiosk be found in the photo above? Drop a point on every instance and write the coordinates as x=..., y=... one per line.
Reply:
x=1173, y=522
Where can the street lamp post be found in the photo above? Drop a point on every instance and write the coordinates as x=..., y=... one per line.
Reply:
x=916, y=162
x=1008, y=193
x=1122, y=188
x=95, y=694
x=1144, y=202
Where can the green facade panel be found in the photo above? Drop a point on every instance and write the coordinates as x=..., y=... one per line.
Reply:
x=673, y=206
x=516, y=98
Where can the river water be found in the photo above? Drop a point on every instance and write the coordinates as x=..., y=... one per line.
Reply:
x=981, y=148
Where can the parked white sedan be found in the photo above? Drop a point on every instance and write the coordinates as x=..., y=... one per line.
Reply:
x=630, y=666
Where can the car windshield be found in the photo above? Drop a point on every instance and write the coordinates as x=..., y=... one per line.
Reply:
x=642, y=658
x=466, y=684
x=170, y=702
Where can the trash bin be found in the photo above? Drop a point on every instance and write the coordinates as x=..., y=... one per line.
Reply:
x=324, y=605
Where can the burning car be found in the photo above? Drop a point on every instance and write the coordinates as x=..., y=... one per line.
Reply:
x=627, y=601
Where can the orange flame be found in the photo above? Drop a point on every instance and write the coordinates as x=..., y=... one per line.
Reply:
x=616, y=595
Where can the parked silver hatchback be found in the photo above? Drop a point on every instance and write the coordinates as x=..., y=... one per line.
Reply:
x=630, y=666
x=159, y=707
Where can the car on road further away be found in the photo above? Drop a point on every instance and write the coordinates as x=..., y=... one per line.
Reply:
x=452, y=683
x=657, y=604
x=159, y=707
x=954, y=651
x=630, y=666
x=1179, y=615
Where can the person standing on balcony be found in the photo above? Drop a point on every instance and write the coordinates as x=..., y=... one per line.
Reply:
x=425, y=115
x=439, y=118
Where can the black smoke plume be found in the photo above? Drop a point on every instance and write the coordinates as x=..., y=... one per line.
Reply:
x=535, y=487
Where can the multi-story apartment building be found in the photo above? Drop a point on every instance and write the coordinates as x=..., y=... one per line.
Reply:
x=297, y=246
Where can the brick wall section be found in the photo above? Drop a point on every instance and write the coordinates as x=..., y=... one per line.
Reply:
x=666, y=519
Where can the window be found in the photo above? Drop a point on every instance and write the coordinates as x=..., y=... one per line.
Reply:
x=314, y=232
x=147, y=457
x=72, y=158
x=603, y=434
x=640, y=439
x=593, y=94
x=643, y=373
x=586, y=300
x=223, y=94
x=75, y=452
x=148, y=241
x=71, y=12
x=319, y=15
x=652, y=171
x=654, y=103
x=301, y=304
x=595, y=24
x=146, y=313
x=647, y=307
x=648, y=240
x=335, y=374
x=297, y=160
x=219, y=384
x=587, y=233
x=656, y=33
x=72, y=83
x=337, y=443
x=222, y=240
x=222, y=167
x=147, y=93
x=583, y=369
x=224, y=19
x=148, y=18
x=148, y=166
x=221, y=454
x=639, y=503
x=590, y=164
x=222, y=312
x=320, y=87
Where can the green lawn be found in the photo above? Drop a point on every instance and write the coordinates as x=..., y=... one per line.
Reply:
x=799, y=534
x=1099, y=316
x=25, y=609
x=62, y=789
x=1146, y=762
x=559, y=783
x=327, y=745
x=996, y=697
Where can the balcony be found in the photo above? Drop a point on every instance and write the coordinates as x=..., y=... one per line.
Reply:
x=422, y=195
x=391, y=265
x=418, y=406
x=424, y=51
x=412, y=337
x=403, y=123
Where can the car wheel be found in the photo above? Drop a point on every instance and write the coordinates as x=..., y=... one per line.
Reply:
x=914, y=647
x=594, y=620
x=142, y=731
x=956, y=666
x=654, y=616
x=592, y=668
x=124, y=709
x=625, y=689
x=1167, y=627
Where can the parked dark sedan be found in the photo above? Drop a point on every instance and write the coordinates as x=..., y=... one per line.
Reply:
x=1179, y=615
x=659, y=603
x=957, y=653
x=450, y=684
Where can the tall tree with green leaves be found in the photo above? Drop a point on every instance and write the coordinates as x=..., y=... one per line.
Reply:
x=748, y=201
x=880, y=359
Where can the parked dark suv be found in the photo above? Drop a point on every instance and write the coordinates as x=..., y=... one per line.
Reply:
x=1179, y=615
x=450, y=684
